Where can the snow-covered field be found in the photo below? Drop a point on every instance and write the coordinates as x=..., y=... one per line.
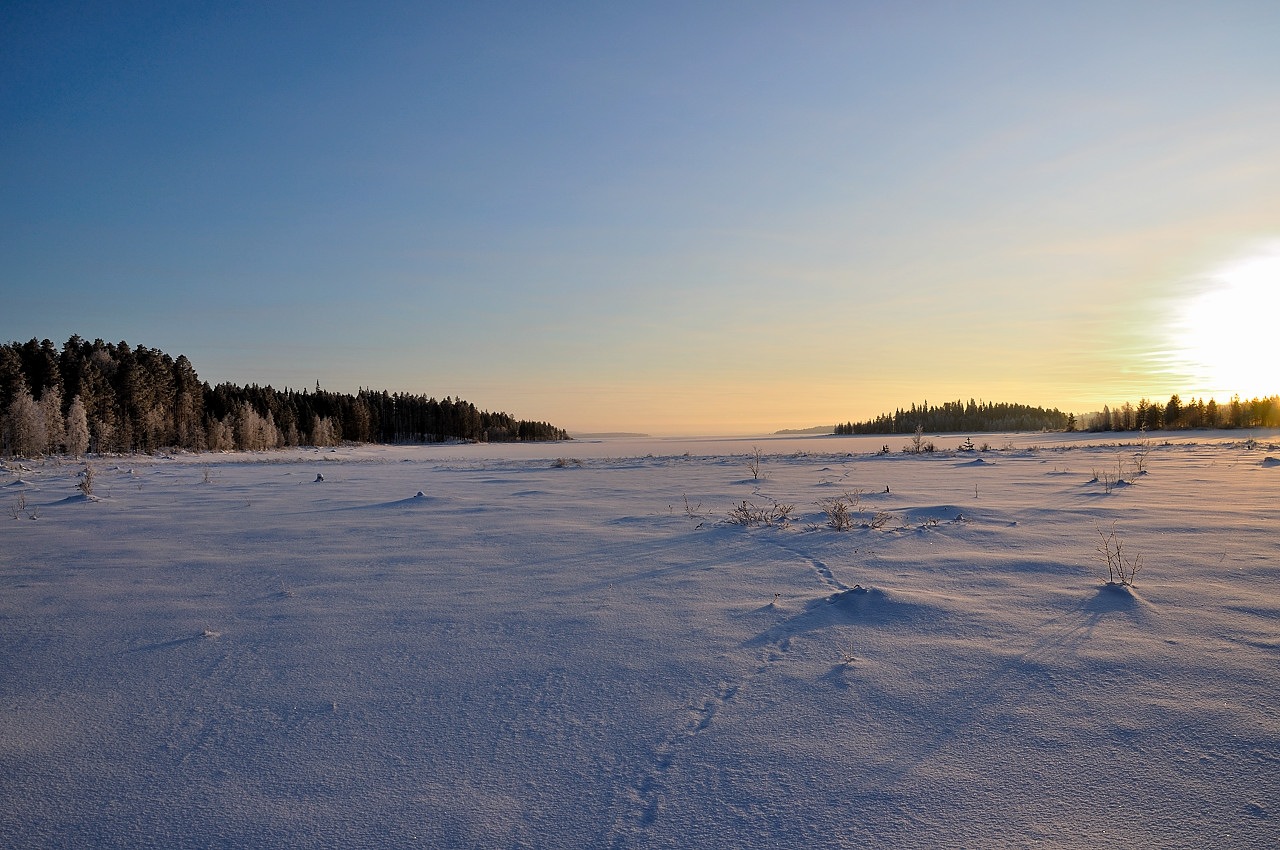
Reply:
x=479, y=646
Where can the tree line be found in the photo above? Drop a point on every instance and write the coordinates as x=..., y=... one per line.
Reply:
x=1146, y=415
x=111, y=397
x=958, y=417
x=1177, y=415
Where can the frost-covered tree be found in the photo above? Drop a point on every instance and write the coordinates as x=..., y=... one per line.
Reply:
x=220, y=434
x=55, y=426
x=77, y=428
x=27, y=435
x=324, y=432
x=254, y=432
x=139, y=399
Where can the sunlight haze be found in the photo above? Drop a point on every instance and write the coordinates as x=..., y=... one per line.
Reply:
x=1226, y=333
x=663, y=218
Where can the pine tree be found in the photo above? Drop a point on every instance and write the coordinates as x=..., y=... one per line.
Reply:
x=10, y=375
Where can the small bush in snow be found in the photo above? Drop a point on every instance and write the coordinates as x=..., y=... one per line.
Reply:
x=838, y=516
x=847, y=654
x=693, y=511
x=86, y=480
x=19, y=507
x=1123, y=475
x=917, y=441
x=841, y=509
x=1140, y=458
x=747, y=513
x=880, y=519
x=1121, y=566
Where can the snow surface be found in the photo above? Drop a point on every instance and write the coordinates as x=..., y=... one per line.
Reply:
x=485, y=646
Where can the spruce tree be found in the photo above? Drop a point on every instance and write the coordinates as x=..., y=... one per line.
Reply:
x=55, y=425
x=77, y=428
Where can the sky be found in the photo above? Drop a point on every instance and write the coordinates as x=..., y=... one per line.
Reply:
x=670, y=218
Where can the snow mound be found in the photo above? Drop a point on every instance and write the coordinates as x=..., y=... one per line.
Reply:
x=417, y=500
x=79, y=497
x=1119, y=600
x=873, y=606
x=1271, y=461
x=931, y=514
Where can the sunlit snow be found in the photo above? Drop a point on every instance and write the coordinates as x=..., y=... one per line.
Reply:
x=569, y=645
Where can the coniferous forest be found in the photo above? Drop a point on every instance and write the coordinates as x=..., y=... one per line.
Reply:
x=1146, y=415
x=957, y=417
x=111, y=397
x=1176, y=415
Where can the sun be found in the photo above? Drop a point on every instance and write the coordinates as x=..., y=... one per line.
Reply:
x=1224, y=334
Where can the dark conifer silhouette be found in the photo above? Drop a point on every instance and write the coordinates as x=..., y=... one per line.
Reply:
x=141, y=399
x=957, y=417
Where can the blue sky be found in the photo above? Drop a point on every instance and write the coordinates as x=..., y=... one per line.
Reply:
x=725, y=217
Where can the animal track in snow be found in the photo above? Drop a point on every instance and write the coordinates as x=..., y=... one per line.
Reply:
x=643, y=800
x=820, y=568
x=646, y=797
